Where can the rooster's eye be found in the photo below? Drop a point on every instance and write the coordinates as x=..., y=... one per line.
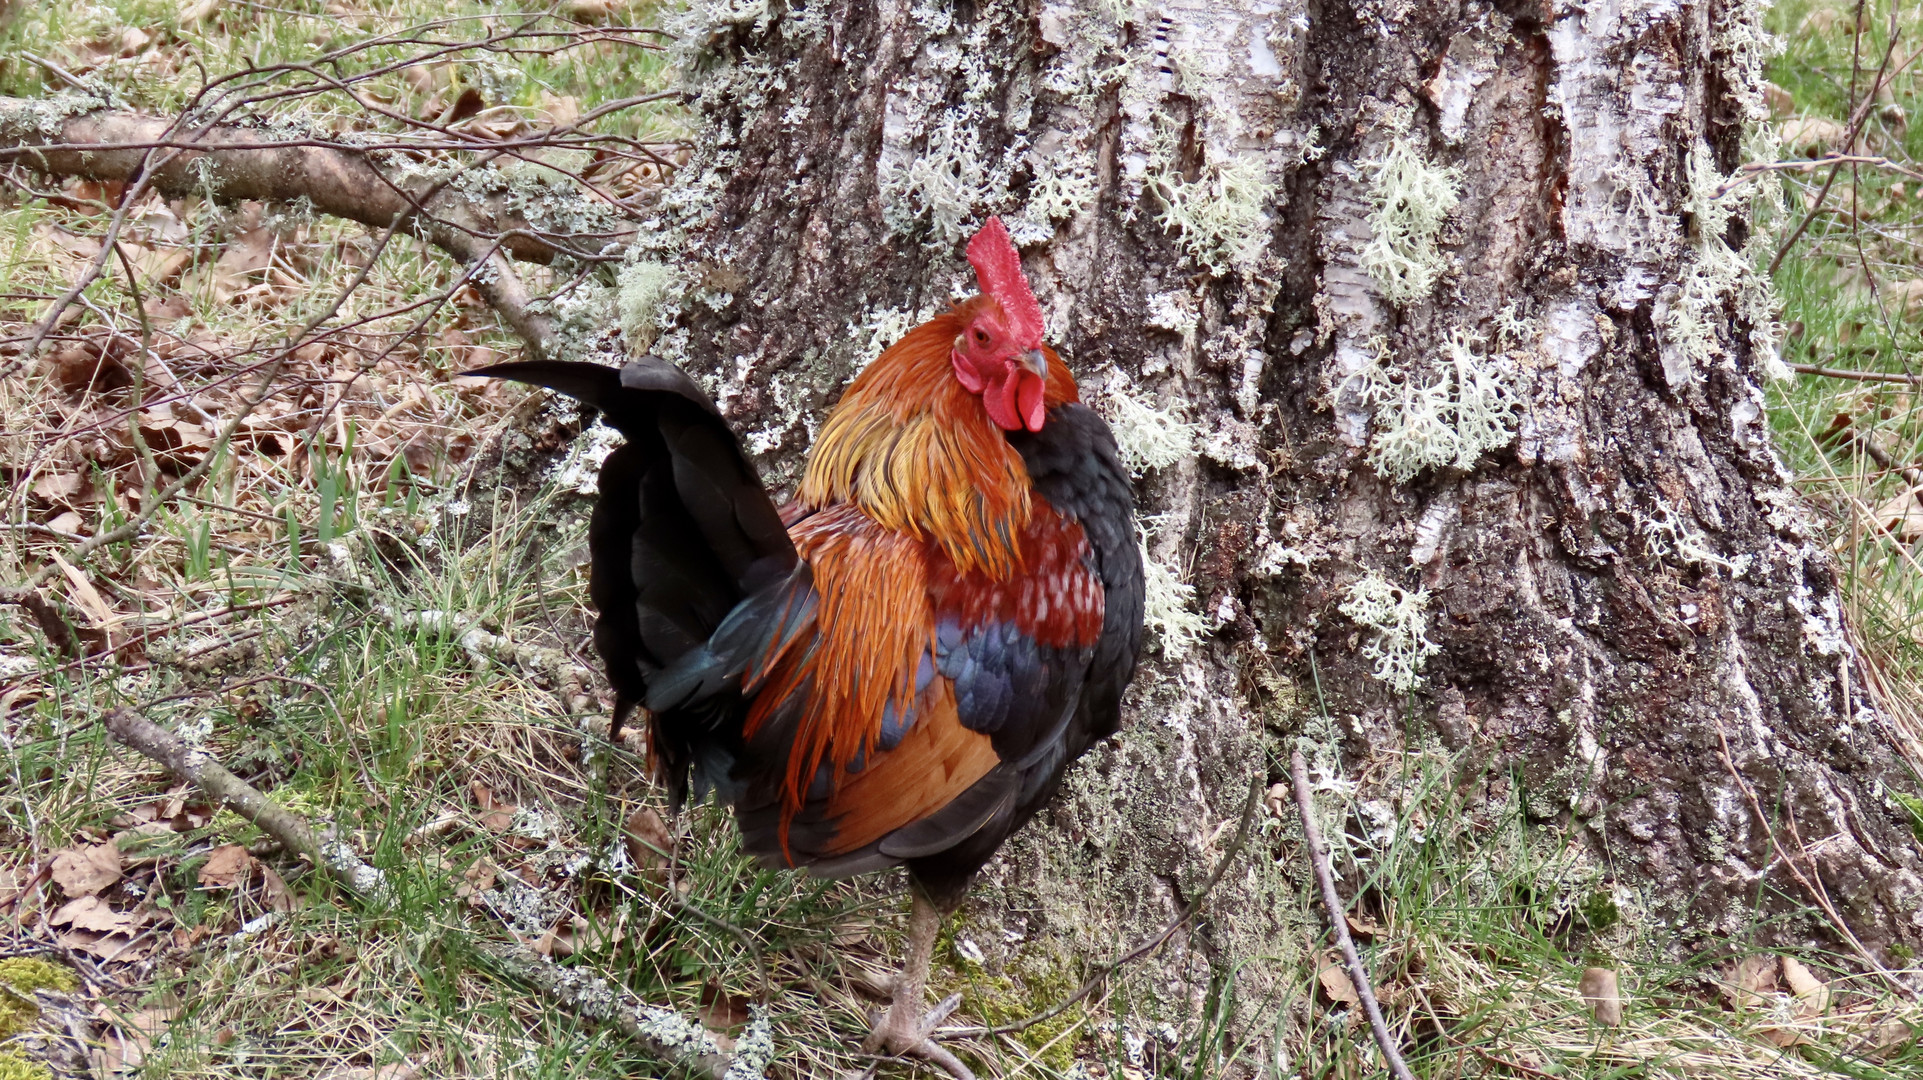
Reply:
x=981, y=337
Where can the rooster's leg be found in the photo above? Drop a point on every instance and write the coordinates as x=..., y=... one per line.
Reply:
x=903, y=1030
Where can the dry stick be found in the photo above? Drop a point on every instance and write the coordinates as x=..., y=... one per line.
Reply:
x=659, y=1031
x=200, y=769
x=1857, y=376
x=1857, y=119
x=1332, y=903
x=1100, y=978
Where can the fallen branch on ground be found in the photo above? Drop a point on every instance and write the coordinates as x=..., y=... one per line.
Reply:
x=555, y=665
x=1338, y=920
x=200, y=769
x=663, y=1033
x=231, y=162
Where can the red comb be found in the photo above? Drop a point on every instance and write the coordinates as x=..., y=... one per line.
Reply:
x=998, y=266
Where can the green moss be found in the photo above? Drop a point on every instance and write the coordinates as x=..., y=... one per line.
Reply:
x=15, y=1067
x=1028, y=988
x=1915, y=807
x=23, y=975
x=1599, y=910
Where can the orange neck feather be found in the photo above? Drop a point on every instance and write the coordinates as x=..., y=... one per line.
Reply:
x=917, y=452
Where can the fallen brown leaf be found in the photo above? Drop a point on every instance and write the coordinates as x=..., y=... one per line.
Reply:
x=1335, y=981
x=274, y=892
x=497, y=814
x=1603, y=995
x=243, y=264
x=575, y=935
x=1750, y=979
x=84, y=593
x=721, y=1011
x=60, y=488
x=92, y=913
x=157, y=267
x=647, y=839
x=226, y=867
x=84, y=871
x=1811, y=993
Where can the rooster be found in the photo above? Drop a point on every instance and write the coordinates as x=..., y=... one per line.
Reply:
x=899, y=667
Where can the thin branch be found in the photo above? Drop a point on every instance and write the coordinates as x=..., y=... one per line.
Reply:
x=1100, y=978
x=200, y=769
x=660, y=1032
x=1332, y=903
x=1857, y=376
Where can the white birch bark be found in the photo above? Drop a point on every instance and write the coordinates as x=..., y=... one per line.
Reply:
x=1426, y=330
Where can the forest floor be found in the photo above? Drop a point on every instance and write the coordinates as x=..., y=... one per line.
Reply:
x=345, y=618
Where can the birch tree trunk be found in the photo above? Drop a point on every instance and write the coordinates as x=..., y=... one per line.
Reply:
x=1437, y=340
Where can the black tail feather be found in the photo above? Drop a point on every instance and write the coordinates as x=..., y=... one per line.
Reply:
x=683, y=531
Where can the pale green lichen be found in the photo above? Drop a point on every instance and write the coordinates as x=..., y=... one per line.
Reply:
x=1451, y=419
x=1221, y=216
x=1692, y=314
x=881, y=328
x=1412, y=198
x=754, y=1051
x=1169, y=610
x=941, y=185
x=1400, y=619
x=1061, y=192
x=642, y=292
x=24, y=120
x=1671, y=535
x=1147, y=437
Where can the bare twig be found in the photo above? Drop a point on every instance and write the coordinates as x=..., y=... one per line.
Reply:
x=1332, y=903
x=200, y=769
x=1857, y=376
x=661, y=1032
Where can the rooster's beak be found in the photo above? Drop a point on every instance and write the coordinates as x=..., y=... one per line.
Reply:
x=1034, y=361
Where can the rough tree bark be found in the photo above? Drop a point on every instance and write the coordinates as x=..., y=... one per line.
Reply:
x=1472, y=351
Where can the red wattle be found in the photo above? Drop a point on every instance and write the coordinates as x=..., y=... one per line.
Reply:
x=1030, y=395
x=999, y=400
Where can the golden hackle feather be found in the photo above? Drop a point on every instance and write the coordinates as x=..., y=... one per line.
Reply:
x=908, y=459
x=917, y=452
